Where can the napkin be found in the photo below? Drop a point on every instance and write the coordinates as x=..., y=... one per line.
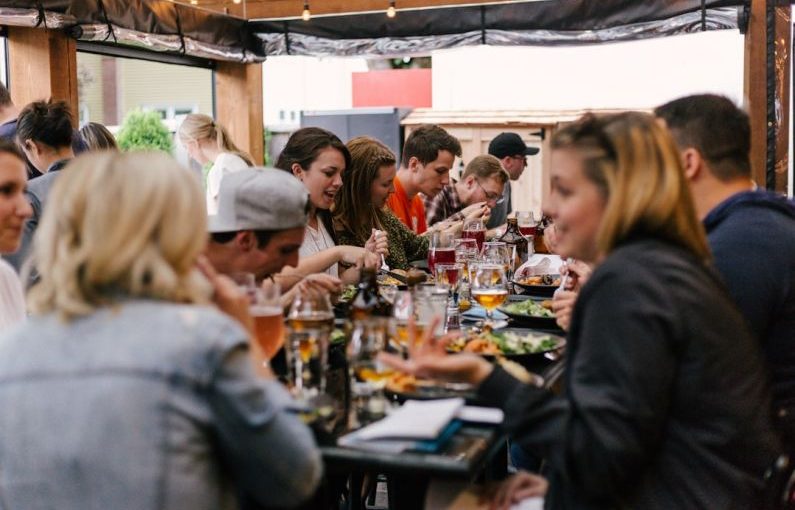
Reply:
x=538, y=265
x=416, y=419
x=420, y=425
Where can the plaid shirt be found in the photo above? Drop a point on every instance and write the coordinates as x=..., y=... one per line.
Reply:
x=445, y=205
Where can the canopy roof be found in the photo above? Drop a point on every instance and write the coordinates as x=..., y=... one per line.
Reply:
x=165, y=26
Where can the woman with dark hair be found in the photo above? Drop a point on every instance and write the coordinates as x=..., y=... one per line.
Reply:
x=45, y=134
x=318, y=159
x=666, y=402
x=98, y=137
x=361, y=204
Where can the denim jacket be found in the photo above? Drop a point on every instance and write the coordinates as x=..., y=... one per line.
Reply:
x=144, y=405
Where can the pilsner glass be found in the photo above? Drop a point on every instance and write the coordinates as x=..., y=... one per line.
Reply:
x=440, y=250
x=430, y=303
x=311, y=320
x=489, y=288
x=368, y=374
x=475, y=229
x=466, y=253
x=449, y=276
x=266, y=311
x=498, y=252
x=402, y=312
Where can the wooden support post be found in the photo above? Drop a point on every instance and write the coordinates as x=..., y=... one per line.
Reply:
x=767, y=92
x=238, y=105
x=42, y=65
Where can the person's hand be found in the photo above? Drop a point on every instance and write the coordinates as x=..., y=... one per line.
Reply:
x=517, y=488
x=228, y=297
x=233, y=301
x=453, y=228
x=578, y=271
x=323, y=281
x=476, y=211
x=429, y=359
x=378, y=243
x=369, y=260
x=562, y=305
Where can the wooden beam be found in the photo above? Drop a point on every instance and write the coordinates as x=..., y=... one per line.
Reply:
x=782, y=98
x=768, y=154
x=238, y=105
x=755, y=85
x=42, y=65
x=258, y=9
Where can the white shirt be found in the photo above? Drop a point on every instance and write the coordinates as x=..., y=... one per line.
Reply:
x=316, y=241
x=12, y=298
x=225, y=163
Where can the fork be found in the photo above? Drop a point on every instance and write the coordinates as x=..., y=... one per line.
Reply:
x=384, y=265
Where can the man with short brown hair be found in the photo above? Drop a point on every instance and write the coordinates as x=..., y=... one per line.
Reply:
x=428, y=156
x=473, y=196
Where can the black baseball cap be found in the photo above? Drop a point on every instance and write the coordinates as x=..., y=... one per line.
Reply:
x=510, y=144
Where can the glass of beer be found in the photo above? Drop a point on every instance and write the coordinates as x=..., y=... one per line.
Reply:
x=311, y=320
x=266, y=310
x=489, y=288
x=368, y=374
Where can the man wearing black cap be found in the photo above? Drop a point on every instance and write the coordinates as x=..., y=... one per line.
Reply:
x=512, y=152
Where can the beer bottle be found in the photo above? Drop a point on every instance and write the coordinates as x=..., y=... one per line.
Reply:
x=368, y=302
x=514, y=238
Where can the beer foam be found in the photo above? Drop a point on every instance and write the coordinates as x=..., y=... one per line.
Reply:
x=264, y=310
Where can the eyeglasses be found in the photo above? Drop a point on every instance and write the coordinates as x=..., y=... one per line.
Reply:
x=490, y=195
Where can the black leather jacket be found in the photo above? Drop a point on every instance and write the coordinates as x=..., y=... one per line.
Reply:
x=666, y=402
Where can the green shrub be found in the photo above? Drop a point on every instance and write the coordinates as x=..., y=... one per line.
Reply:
x=144, y=131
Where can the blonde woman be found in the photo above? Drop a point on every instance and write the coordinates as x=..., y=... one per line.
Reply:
x=128, y=389
x=665, y=402
x=208, y=142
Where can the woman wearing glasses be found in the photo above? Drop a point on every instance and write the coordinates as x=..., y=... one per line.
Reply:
x=473, y=196
x=665, y=403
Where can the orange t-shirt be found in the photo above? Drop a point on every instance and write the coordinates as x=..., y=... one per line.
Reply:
x=410, y=212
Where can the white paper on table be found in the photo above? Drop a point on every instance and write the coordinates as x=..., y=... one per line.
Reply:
x=415, y=419
x=477, y=414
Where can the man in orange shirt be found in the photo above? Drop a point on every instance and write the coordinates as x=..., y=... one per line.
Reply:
x=428, y=156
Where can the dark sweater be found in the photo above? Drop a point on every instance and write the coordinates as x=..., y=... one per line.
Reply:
x=665, y=405
x=752, y=236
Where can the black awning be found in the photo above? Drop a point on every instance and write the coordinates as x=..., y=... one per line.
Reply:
x=532, y=22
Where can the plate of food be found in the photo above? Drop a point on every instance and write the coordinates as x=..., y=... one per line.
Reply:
x=526, y=348
x=540, y=285
x=403, y=387
x=528, y=311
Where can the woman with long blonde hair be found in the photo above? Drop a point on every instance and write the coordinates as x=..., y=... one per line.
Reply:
x=128, y=389
x=208, y=142
x=665, y=402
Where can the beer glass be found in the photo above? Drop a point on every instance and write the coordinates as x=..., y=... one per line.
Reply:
x=440, y=250
x=475, y=229
x=266, y=311
x=368, y=374
x=311, y=320
x=402, y=312
x=489, y=288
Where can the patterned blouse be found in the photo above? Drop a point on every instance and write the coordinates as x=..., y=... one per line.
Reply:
x=404, y=245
